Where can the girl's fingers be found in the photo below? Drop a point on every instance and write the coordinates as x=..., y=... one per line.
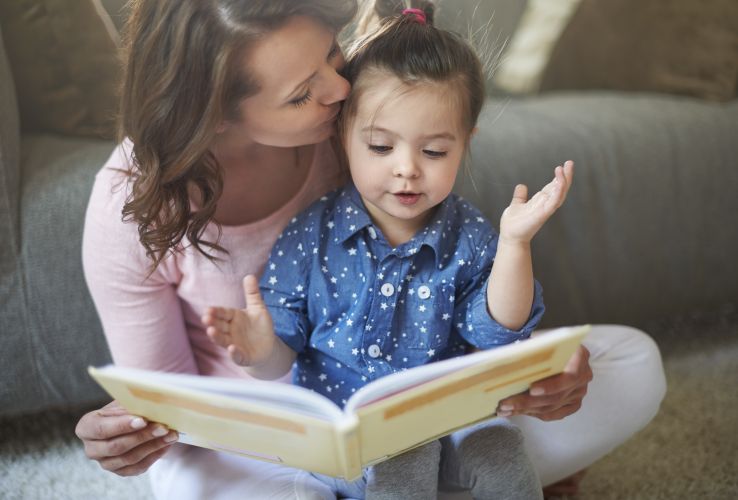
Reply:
x=220, y=338
x=237, y=355
x=251, y=292
x=520, y=194
x=219, y=313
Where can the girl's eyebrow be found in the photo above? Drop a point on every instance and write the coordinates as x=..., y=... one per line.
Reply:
x=441, y=135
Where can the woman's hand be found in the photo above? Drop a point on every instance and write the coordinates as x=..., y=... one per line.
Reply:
x=555, y=397
x=523, y=218
x=123, y=443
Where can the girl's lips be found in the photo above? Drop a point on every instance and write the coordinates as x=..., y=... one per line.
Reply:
x=407, y=198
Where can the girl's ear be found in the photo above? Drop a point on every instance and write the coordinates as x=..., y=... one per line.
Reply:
x=473, y=132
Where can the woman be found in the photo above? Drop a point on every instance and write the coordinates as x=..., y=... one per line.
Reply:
x=227, y=111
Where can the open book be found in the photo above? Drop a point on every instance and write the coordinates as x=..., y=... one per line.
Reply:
x=295, y=426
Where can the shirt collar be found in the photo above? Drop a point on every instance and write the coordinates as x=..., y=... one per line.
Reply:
x=350, y=217
x=349, y=214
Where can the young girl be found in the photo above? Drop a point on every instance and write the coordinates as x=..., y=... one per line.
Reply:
x=393, y=271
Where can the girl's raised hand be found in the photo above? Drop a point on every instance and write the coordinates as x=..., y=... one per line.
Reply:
x=247, y=334
x=523, y=218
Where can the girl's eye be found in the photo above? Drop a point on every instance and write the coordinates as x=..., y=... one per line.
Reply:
x=302, y=100
x=434, y=154
x=380, y=150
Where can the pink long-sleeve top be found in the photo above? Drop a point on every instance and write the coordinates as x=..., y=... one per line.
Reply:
x=153, y=322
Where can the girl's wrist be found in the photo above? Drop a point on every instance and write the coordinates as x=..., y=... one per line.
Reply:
x=513, y=243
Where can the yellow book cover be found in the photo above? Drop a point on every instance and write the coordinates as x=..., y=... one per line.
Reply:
x=287, y=424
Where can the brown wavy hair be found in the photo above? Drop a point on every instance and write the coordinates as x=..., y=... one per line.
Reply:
x=415, y=53
x=182, y=78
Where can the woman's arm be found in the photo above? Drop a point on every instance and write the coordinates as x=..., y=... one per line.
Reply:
x=143, y=324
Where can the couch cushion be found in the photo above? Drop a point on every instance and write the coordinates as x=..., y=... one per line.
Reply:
x=12, y=312
x=647, y=228
x=679, y=47
x=530, y=47
x=9, y=150
x=65, y=65
x=63, y=334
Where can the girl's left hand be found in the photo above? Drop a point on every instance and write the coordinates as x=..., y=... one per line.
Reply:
x=555, y=397
x=523, y=218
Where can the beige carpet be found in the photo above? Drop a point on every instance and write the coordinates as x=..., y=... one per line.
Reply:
x=690, y=450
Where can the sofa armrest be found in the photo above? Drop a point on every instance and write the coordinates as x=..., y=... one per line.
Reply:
x=648, y=229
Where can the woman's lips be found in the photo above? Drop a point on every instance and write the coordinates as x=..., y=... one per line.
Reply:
x=407, y=198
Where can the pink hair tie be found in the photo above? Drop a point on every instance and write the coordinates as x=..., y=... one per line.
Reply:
x=418, y=13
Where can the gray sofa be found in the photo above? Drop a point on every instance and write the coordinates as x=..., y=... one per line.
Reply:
x=649, y=228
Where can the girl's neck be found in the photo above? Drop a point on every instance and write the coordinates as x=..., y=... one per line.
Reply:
x=398, y=231
x=259, y=180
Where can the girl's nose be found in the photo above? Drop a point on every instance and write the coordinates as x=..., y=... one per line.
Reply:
x=406, y=167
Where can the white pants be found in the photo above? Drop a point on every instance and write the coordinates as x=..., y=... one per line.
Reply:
x=624, y=395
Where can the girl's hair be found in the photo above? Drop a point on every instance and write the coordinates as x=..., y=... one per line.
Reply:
x=183, y=77
x=416, y=53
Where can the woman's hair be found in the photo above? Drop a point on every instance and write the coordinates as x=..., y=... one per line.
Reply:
x=416, y=52
x=183, y=77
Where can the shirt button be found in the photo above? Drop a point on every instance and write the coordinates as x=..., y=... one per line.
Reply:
x=387, y=289
x=374, y=351
x=424, y=292
x=372, y=232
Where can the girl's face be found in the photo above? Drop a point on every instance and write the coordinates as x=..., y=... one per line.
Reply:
x=300, y=92
x=404, y=148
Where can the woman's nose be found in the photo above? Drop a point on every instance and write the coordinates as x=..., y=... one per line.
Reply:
x=338, y=88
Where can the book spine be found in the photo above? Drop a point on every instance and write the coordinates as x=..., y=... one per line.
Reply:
x=349, y=447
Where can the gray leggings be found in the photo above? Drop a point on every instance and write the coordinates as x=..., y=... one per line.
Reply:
x=487, y=459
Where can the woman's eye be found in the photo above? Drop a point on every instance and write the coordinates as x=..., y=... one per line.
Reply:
x=434, y=154
x=302, y=100
x=374, y=148
x=335, y=50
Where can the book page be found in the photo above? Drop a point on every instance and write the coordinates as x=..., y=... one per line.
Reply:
x=269, y=421
x=403, y=410
x=286, y=397
x=404, y=380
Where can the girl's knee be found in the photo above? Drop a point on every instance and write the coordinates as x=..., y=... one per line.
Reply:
x=491, y=443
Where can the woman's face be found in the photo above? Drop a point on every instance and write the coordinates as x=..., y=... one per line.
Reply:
x=300, y=92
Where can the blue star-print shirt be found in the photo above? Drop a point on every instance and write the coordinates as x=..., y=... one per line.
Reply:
x=356, y=309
